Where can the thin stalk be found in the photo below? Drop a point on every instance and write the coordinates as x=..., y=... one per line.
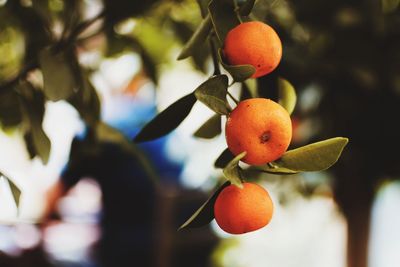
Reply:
x=233, y=98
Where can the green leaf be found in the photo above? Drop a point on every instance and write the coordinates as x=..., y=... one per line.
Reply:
x=167, y=120
x=184, y=32
x=246, y=7
x=210, y=129
x=389, y=5
x=213, y=92
x=41, y=143
x=239, y=73
x=287, y=95
x=223, y=17
x=232, y=170
x=223, y=159
x=197, y=40
x=313, y=157
x=16, y=192
x=274, y=169
x=10, y=111
x=58, y=74
x=86, y=101
x=32, y=104
x=205, y=214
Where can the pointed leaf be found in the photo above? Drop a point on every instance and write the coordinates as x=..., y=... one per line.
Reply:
x=86, y=101
x=273, y=169
x=41, y=143
x=223, y=159
x=58, y=75
x=197, y=40
x=223, y=17
x=33, y=102
x=213, y=92
x=246, y=7
x=10, y=111
x=239, y=73
x=313, y=157
x=210, y=129
x=167, y=120
x=16, y=192
x=205, y=214
x=232, y=170
x=287, y=95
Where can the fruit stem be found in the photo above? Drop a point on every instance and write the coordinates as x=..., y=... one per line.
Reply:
x=233, y=98
x=237, y=11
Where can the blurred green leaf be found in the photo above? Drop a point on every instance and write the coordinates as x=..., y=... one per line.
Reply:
x=239, y=73
x=223, y=159
x=246, y=7
x=184, y=32
x=287, y=95
x=313, y=157
x=58, y=75
x=35, y=25
x=29, y=144
x=210, y=129
x=41, y=142
x=205, y=214
x=167, y=120
x=10, y=111
x=223, y=17
x=33, y=107
x=389, y=6
x=232, y=170
x=16, y=192
x=197, y=40
x=86, y=101
x=213, y=92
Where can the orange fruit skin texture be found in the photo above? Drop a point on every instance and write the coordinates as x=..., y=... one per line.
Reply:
x=261, y=127
x=253, y=43
x=239, y=211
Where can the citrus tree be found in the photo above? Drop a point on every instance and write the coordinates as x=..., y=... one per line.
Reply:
x=323, y=43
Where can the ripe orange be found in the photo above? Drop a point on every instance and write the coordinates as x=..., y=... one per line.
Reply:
x=254, y=43
x=242, y=210
x=261, y=127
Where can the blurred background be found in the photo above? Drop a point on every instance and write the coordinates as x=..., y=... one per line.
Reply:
x=89, y=198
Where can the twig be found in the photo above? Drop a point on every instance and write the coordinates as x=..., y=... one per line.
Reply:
x=233, y=98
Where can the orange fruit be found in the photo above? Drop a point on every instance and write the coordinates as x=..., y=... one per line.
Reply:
x=261, y=127
x=254, y=43
x=242, y=210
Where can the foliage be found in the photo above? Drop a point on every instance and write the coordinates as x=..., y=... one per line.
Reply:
x=22, y=103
